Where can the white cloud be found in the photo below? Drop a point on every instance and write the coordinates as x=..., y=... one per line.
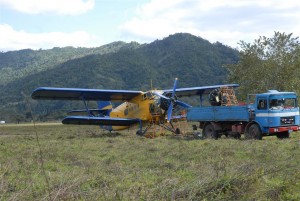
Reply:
x=11, y=39
x=61, y=7
x=227, y=21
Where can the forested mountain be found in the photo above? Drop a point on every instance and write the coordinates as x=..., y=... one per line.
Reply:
x=18, y=64
x=120, y=65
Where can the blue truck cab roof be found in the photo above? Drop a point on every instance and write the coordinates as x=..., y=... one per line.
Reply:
x=275, y=94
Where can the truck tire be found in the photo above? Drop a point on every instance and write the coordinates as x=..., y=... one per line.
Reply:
x=283, y=135
x=210, y=132
x=253, y=132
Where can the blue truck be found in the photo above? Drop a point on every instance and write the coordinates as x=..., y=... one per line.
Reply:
x=267, y=114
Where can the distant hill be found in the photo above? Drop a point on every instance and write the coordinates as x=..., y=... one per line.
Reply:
x=119, y=65
x=18, y=64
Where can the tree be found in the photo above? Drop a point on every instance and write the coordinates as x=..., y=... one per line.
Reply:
x=268, y=63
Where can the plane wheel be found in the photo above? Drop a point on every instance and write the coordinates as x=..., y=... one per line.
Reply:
x=139, y=133
x=253, y=132
x=210, y=132
x=177, y=131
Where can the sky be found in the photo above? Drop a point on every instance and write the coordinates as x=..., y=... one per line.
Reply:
x=44, y=24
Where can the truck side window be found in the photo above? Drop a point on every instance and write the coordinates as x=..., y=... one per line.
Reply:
x=262, y=104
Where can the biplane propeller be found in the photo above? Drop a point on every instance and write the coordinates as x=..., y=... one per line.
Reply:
x=168, y=103
x=137, y=108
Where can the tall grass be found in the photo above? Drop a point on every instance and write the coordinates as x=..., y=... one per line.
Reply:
x=85, y=163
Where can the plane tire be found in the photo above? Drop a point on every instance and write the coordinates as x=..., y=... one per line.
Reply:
x=139, y=133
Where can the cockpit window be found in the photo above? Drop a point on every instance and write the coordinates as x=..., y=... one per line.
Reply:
x=148, y=95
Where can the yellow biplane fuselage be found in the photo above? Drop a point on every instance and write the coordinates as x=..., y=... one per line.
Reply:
x=140, y=107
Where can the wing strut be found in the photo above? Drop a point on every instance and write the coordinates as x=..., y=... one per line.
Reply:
x=201, y=99
x=140, y=131
x=87, y=108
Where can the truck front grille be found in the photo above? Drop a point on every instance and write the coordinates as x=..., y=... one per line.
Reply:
x=287, y=120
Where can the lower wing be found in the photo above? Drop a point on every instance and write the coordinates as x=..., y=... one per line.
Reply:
x=94, y=112
x=105, y=121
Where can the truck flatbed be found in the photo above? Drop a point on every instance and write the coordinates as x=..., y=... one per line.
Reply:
x=218, y=113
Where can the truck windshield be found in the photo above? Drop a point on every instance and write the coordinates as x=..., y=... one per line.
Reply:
x=282, y=103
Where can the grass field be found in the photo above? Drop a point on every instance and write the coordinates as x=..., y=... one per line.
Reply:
x=85, y=163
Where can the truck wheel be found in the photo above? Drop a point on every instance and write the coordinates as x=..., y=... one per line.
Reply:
x=210, y=132
x=283, y=135
x=253, y=132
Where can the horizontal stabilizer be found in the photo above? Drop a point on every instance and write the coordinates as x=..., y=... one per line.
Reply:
x=105, y=121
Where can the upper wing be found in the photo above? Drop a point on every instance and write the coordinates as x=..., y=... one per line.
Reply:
x=83, y=94
x=102, y=121
x=197, y=90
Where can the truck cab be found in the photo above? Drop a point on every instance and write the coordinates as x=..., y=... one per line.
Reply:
x=276, y=113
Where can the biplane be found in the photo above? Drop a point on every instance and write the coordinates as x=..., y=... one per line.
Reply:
x=137, y=107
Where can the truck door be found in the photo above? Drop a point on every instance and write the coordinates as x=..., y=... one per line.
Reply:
x=261, y=115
